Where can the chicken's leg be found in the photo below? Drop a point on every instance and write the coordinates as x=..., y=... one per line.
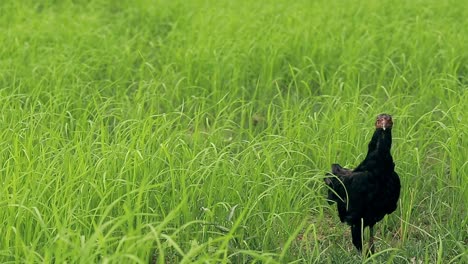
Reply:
x=371, y=239
x=356, y=234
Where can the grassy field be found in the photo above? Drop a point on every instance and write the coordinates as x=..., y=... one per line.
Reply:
x=199, y=131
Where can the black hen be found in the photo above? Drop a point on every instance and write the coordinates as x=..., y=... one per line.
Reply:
x=370, y=191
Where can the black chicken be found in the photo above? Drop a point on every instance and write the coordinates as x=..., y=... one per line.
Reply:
x=370, y=191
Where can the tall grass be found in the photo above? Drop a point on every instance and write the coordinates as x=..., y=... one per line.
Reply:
x=200, y=131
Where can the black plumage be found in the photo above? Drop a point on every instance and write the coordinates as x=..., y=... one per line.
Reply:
x=370, y=191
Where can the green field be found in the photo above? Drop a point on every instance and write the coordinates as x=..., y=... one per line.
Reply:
x=200, y=131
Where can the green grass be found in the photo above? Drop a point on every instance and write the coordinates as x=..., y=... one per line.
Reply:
x=200, y=131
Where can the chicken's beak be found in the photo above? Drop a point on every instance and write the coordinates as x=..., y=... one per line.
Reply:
x=384, y=124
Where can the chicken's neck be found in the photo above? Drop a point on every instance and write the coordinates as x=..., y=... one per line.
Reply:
x=378, y=153
x=381, y=142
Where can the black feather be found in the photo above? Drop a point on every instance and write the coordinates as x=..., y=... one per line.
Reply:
x=370, y=191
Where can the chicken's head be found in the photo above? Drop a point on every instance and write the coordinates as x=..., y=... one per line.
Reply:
x=384, y=121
